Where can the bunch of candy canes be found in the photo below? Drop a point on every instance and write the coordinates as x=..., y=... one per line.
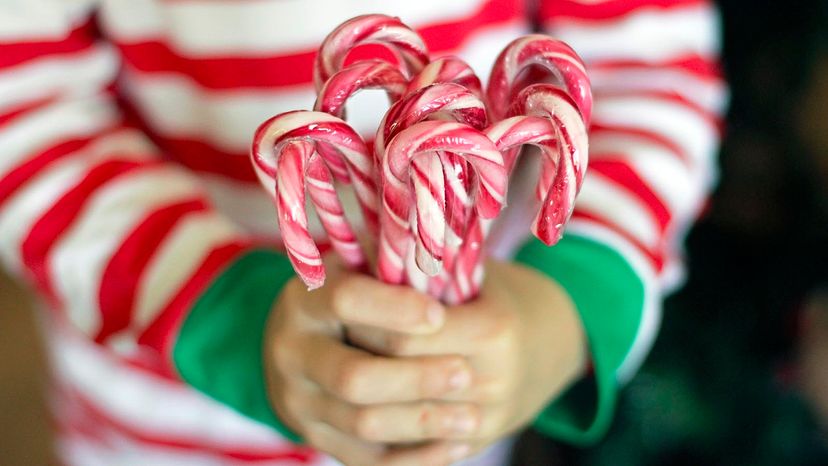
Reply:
x=441, y=159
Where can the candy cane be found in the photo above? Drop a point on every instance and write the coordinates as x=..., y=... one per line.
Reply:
x=554, y=125
x=526, y=54
x=445, y=102
x=554, y=104
x=403, y=42
x=424, y=139
x=285, y=159
x=366, y=74
x=447, y=70
x=341, y=86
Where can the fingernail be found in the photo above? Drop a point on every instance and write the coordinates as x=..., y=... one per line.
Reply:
x=460, y=379
x=459, y=451
x=435, y=315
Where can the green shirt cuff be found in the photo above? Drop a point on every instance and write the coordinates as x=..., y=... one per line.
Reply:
x=609, y=296
x=219, y=350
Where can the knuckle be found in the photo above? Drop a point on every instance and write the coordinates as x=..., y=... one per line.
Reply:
x=347, y=380
x=341, y=297
x=281, y=356
x=397, y=344
x=315, y=437
x=367, y=425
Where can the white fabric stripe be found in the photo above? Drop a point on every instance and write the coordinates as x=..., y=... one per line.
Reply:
x=646, y=34
x=651, y=312
x=678, y=186
x=84, y=72
x=481, y=48
x=79, y=258
x=26, y=206
x=254, y=28
x=41, y=19
x=150, y=404
x=177, y=259
x=176, y=106
x=711, y=95
x=603, y=198
x=682, y=125
x=56, y=123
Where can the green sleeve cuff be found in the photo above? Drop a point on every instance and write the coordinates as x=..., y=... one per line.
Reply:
x=609, y=296
x=219, y=350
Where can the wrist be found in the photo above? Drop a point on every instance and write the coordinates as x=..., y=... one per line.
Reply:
x=553, y=343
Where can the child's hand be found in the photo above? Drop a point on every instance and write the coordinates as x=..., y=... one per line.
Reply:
x=353, y=404
x=522, y=338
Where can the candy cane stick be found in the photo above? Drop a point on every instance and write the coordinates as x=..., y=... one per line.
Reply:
x=445, y=102
x=449, y=70
x=523, y=55
x=282, y=154
x=424, y=139
x=554, y=104
x=366, y=74
x=403, y=42
x=341, y=86
x=554, y=125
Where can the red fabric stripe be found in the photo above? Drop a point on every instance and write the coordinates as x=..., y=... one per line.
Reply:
x=656, y=258
x=698, y=65
x=78, y=39
x=289, y=453
x=610, y=9
x=162, y=333
x=202, y=157
x=621, y=174
x=48, y=229
x=15, y=178
x=596, y=130
x=125, y=269
x=291, y=69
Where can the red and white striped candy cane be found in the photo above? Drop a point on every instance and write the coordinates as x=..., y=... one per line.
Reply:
x=560, y=181
x=334, y=94
x=443, y=101
x=549, y=120
x=447, y=70
x=425, y=139
x=525, y=55
x=287, y=164
x=365, y=74
x=403, y=42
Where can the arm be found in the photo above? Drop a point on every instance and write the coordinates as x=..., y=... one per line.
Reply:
x=653, y=139
x=123, y=245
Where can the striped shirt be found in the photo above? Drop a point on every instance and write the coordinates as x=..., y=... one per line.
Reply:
x=126, y=190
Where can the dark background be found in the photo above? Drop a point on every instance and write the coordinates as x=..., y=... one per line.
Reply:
x=739, y=373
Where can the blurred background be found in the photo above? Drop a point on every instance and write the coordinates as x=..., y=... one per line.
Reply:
x=739, y=374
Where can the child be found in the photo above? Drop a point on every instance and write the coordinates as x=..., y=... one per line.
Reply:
x=127, y=198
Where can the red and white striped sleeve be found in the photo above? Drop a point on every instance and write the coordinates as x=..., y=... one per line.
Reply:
x=655, y=128
x=117, y=240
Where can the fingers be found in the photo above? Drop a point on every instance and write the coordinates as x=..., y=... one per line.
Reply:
x=359, y=377
x=361, y=300
x=467, y=330
x=354, y=452
x=395, y=423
